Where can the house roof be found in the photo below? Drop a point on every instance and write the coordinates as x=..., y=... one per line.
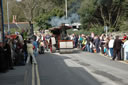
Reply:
x=19, y=25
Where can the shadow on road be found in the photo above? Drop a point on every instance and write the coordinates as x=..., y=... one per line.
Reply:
x=60, y=70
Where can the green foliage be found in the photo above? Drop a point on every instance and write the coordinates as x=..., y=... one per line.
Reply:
x=57, y=12
x=82, y=31
x=104, y=2
x=96, y=29
x=103, y=12
x=13, y=30
x=112, y=29
x=86, y=12
x=114, y=12
x=43, y=20
x=58, y=2
x=124, y=27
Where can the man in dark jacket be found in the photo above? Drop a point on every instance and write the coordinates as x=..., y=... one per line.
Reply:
x=117, y=48
x=97, y=44
x=7, y=53
x=3, y=64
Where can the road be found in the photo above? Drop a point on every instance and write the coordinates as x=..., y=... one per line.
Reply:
x=80, y=68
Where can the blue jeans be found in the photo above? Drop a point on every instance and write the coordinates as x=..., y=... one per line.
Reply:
x=35, y=52
x=88, y=48
x=91, y=50
x=97, y=49
x=106, y=51
x=111, y=51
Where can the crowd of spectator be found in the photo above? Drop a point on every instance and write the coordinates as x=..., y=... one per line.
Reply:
x=116, y=47
x=19, y=49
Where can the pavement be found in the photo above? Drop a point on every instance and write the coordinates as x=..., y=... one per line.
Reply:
x=122, y=61
x=13, y=77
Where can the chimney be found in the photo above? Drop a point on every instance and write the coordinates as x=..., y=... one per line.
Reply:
x=14, y=19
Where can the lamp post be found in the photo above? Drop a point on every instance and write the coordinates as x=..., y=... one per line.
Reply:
x=8, y=18
x=1, y=21
x=66, y=9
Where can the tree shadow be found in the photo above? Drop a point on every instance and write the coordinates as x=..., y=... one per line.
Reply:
x=61, y=70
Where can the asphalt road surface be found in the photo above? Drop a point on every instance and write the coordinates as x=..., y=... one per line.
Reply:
x=80, y=68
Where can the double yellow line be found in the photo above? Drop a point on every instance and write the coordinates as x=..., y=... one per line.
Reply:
x=35, y=73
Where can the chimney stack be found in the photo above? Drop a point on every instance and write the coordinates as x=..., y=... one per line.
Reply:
x=14, y=19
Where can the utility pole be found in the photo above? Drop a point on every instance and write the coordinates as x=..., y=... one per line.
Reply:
x=1, y=22
x=8, y=18
x=66, y=8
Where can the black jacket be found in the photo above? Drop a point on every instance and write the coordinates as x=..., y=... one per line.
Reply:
x=117, y=44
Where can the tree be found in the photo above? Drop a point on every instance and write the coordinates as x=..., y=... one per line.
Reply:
x=28, y=7
x=102, y=12
x=58, y=3
x=44, y=19
x=86, y=12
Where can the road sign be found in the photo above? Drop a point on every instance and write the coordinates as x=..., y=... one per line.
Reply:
x=106, y=30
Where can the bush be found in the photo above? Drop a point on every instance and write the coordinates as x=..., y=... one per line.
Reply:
x=13, y=30
x=98, y=30
x=124, y=27
x=82, y=31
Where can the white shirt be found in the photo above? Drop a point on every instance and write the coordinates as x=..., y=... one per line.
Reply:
x=125, y=46
x=111, y=43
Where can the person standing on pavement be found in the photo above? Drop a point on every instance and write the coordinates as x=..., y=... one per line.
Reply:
x=117, y=48
x=106, y=47
x=110, y=44
x=35, y=44
x=25, y=50
x=76, y=41
x=88, y=43
x=125, y=46
x=80, y=41
x=3, y=60
x=91, y=46
x=97, y=43
x=18, y=51
x=102, y=43
x=30, y=51
x=11, y=58
x=7, y=52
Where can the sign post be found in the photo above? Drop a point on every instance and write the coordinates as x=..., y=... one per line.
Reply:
x=106, y=30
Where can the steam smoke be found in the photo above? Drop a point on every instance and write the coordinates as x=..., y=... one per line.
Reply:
x=72, y=15
x=56, y=21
